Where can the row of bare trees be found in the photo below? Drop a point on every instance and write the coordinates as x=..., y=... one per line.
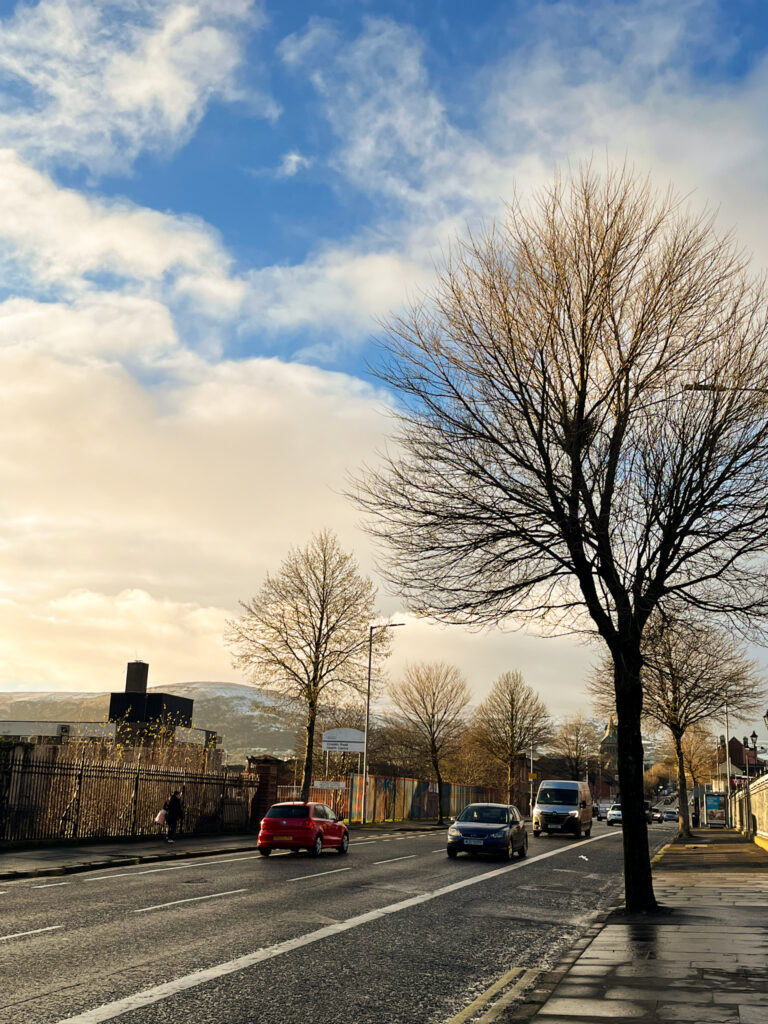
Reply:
x=306, y=636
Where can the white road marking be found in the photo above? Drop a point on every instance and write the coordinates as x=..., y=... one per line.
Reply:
x=190, y=899
x=317, y=874
x=174, y=867
x=393, y=859
x=153, y=995
x=48, y=885
x=35, y=931
x=365, y=842
x=441, y=850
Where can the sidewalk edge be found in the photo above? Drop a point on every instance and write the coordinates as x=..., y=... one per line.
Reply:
x=119, y=862
x=549, y=980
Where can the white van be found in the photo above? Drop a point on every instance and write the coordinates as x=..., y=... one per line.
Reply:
x=563, y=805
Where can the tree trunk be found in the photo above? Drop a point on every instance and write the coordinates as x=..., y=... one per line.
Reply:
x=309, y=749
x=638, y=884
x=509, y=782
x=683, y=821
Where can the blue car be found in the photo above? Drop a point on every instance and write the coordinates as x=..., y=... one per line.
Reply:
x=496, y=829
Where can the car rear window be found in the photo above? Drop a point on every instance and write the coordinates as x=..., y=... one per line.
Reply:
x=484, y=815
x=292, y=811
x=552, y=795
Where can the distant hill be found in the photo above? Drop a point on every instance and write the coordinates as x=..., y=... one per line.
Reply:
x=248, y=720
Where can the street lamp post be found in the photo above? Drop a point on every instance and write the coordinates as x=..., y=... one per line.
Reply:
x=384, y=625
x=728, y=819
x=753, y=741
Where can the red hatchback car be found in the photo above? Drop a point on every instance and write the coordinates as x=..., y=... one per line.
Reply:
x=297, y=826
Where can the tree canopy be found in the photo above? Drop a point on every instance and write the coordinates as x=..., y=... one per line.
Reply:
x=305, y=634
x=582, y=434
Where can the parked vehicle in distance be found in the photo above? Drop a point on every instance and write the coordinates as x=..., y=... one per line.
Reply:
x=563, y=805
x=670, y=814
x=602, y=811
x=614, y=815
x=657, y=814
x=297, y=826
x=648, y=808
x=496, y=829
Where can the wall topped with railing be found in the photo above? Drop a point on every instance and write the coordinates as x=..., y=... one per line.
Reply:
x=749, y=807
x=60, y=798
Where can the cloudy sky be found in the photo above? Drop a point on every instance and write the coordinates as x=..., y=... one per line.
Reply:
x=204, y=208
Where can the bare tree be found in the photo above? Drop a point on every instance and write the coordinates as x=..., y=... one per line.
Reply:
x=575, y=742
x=511, y=720
x=691, y=670
x=431, y=698
x=700, y=754
x=582, y=434
x=305, y=635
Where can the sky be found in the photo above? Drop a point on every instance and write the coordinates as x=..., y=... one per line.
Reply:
x=206, y=209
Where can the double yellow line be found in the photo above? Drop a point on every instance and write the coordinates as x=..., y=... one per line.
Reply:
x=514, y=981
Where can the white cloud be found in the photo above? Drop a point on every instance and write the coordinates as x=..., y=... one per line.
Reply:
x=396, y=137
x=102, y=325
x=78, y=641
x=95, y=84
x=63, y=238
x=292, y=163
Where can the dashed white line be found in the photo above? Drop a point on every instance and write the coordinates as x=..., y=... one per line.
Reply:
x=393, y=859
x=35, y=931
x=153, y=995
x=317, y=874
x=48, y=885
x=190, y=899
x=174, y=867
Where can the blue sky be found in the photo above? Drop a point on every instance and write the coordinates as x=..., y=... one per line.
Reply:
x=205, y=208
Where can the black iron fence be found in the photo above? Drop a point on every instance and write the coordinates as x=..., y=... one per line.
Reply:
x=77, y=799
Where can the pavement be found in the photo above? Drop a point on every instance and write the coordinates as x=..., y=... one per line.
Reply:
x=703, y=958
x=61, y=859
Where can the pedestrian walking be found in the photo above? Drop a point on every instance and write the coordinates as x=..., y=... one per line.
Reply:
x=174, y=812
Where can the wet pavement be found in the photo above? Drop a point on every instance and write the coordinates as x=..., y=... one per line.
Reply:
x=704, y=959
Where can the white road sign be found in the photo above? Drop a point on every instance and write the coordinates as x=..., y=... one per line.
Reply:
x=344, y=740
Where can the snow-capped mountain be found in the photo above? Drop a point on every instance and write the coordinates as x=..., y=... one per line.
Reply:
x=249, y=721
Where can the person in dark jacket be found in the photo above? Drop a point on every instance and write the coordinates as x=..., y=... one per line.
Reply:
x=174, y=810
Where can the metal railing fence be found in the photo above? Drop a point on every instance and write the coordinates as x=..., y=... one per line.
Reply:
x=78, y=799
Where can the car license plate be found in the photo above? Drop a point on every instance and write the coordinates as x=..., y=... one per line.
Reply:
x=554, y=826
x=473, y=842
x=283, y=837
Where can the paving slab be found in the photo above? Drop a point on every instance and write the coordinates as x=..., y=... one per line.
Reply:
x=703, y=959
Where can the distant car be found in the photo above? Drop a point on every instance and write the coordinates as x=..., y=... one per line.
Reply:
x=670, y=814
x=602, y=811
x=297, y=825
x=648, y=808
x=496, y=829
x=657, y=814
x=614, y=815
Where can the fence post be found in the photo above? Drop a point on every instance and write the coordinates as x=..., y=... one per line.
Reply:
x=78, y=796
x=222, y=800
x=135, y=808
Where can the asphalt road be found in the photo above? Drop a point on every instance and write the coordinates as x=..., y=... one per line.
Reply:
x=393, y=932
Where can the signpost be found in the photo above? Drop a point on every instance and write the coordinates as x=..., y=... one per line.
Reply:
x=343, y=741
